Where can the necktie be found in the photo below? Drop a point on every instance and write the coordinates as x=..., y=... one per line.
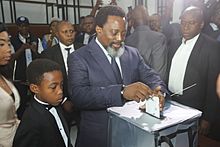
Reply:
x=68, y=50
x=116, y=71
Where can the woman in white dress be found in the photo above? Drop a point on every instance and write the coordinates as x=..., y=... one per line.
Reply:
x=9, y=97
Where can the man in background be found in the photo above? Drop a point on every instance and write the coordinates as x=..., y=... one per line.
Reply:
x=27, y=47
x=151, y=45
x=194, y=63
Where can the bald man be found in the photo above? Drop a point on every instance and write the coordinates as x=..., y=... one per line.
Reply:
x=193, y=60
x=151, y=44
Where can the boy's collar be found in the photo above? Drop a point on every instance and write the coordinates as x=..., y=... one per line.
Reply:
x=39, y=101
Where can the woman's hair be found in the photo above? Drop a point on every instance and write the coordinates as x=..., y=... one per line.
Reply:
x=5, y=70
x=2, y=27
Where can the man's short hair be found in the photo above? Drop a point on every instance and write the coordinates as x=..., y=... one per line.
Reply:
x=2, y=27
x=195, y=11
x=63, y=22
x=104, y=12
x=22, y=20
x=38, y=67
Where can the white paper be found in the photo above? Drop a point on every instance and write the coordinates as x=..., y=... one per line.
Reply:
x=28, y=56
x=153, y=106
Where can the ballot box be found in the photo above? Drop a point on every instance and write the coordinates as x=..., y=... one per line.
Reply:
x=130, y=127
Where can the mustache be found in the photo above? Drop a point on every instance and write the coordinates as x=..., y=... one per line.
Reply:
x=121, y=43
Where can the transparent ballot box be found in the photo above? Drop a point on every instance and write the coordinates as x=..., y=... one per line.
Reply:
x=130, y=127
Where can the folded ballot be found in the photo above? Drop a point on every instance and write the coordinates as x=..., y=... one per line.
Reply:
x=151, y=106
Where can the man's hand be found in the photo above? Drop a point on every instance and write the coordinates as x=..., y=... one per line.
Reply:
x=98, y=3
x=137, y=91
x=68, y=106
x=157, y=93
x=204, y=127
x=25, y=46
x=33, y=47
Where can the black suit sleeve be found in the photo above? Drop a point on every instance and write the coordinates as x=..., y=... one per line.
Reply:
x=27, y=134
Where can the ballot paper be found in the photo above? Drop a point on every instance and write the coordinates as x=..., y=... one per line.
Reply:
x=152, y=106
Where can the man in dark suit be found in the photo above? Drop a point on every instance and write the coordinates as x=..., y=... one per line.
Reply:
x=88, y=30
x=212, y=28
x=151, y=45
x=106, y=73
x=59, y=53
x=27, y=47
x=194, y=62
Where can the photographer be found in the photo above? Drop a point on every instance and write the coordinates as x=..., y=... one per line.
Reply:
x=27, y=47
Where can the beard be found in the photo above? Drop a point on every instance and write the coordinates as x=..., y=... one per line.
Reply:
x=115, y=52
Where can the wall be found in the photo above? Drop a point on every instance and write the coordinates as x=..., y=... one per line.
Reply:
x=38, y=11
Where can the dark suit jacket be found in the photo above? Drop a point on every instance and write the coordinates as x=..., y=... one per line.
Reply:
x=210, y=32
x=93, y=87
x=80, y=37
x=38, y=128
x=21, y=61
x=54, y=53
x=152, y=46
x=202, y=68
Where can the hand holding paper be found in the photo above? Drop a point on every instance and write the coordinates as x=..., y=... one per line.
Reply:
x=157, y=93
x=137, y=91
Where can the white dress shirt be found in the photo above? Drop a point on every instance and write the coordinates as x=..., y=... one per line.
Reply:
x=28, y=54
x=109, y=57
x=214, y=26
x=39, y=47
x=179, y=64
x=65, y=53
x=53, y=111
x=86, y=38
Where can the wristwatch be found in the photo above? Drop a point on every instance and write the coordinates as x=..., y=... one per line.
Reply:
x=122, y=90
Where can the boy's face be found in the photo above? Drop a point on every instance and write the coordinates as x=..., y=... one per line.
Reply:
x=50, y=89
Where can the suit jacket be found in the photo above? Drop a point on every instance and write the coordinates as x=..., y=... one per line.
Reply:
x=210, y=32
x=38, y=128
x=54, y=53
x=152, y=46
x=80, y=37
x=93, y=88
x=21, y=61
x=202, y=68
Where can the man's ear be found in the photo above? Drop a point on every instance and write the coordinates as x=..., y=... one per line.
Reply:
x=34, y=88
x=57, y=34
x=98, y=29
x=202, y=25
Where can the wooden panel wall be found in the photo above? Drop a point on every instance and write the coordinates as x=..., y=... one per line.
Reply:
x=38, y=30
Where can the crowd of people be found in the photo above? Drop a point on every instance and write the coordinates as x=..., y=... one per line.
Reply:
x=78, y=71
